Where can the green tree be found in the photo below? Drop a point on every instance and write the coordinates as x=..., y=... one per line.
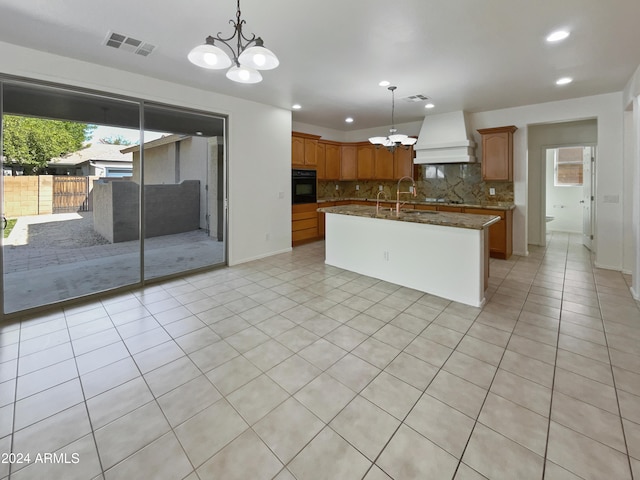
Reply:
x=116, y=140
x=35, y=141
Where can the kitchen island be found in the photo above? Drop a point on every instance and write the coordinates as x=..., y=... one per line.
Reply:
x=441, y=253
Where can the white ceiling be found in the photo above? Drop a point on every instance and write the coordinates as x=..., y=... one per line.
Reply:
x=473, y=55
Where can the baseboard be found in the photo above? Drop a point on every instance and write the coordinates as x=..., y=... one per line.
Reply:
x=259, y=257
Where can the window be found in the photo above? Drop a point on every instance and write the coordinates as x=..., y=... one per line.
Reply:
x=568, y=167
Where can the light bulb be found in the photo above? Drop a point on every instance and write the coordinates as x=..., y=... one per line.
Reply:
x=259, y=59
x=210, y=58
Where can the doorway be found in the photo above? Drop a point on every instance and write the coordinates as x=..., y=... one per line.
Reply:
x=569, y=191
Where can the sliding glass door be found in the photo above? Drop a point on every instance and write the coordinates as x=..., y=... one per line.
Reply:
x=87, y=176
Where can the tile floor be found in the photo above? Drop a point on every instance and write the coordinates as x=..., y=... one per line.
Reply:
x=289, y=369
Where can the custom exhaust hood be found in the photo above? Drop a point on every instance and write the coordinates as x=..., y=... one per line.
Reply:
x=444, y=139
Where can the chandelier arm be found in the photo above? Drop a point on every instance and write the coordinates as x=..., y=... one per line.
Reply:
x=237, y=31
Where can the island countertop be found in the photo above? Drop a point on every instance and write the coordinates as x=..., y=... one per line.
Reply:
x=430, y=217
x=503, y=206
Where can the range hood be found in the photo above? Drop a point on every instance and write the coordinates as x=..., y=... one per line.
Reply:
x=444, y=139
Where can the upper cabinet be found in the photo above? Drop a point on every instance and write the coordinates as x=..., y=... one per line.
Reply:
x=402, y=163
x=348, y=162
x=366, y=167
x=304, y=149
x=384, y=164
x=497, y=153
x=328, y=160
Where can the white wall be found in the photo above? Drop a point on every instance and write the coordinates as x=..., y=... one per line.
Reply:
x=607, y=110
x=562, y=203
x=259, y=143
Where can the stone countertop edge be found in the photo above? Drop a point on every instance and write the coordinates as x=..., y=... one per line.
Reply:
x=489, y=206
x=446, y=219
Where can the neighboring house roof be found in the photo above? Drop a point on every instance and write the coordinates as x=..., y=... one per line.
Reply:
x=156, y=143
x=93, y=153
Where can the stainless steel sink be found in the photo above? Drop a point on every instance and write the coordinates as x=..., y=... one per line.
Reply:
x=418, y=212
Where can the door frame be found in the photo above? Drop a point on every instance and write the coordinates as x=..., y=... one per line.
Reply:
x=543, y=188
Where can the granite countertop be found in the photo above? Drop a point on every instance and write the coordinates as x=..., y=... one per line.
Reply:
x=430, y=217
x=489, y=206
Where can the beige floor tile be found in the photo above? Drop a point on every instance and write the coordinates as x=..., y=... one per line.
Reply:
x=394, y=336
x=365, y=324
x=45, y=342
x=465, y=472
x=625, y=360
x=46, y=403
x=412, y=370
x=585, y=457
x=44, y=358
x=391, y=394
x=268, y=355
x=100, y=357
x=376, y=352
x=297, y=338
x=410, y=323
x=276, y=325
x=457, y=393
x=442, y=335
x=322, y=354
x=204, y=434
x=257, y=398
x=443, y=425
x=538, y=334
x=410, y=455
x=185, y=401
x=137, y=327
x=590, y=391
x=233, y=374
x=531, y=348
x=524, y=392
x=453, y=321
x=164, y=458
x=88, y=465
x=128, y=434
x=346, y=337
x=556, y=472
x=172, y=375
x=471, y=369
x=293, y=373
x=157, y=356
x=103, y=379
x=245, y=457
x=46, y=377
x=489, y=334
x=247, y=339
x=197, y=339
x=365, y=426
x=325, y=397
x=429, y=351
x=7, y=392
x=214, y=355
x=515, y=422
x=288, y=428
x=497, y=457
x=118, y=401
x=588, y=420
x=353, y=372
x=320, y=325
x=329, y=457
x=585, y=366
x=632, y=435
x=485, y=351
x=635, y=466
x=528, y=367
x=583, y=347
x=376, y=474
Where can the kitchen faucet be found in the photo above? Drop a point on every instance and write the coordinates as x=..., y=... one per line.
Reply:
x=413, y=192
x=378, y=200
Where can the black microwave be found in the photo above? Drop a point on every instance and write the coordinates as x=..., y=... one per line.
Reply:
x=303, y=186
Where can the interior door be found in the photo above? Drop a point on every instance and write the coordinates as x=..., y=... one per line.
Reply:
x=588, y=160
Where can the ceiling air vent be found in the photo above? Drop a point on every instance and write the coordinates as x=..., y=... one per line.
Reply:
x=128, y=44
x=416, y=98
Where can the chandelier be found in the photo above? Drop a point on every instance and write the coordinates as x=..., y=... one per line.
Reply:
x=394, y=140
x=248, y=54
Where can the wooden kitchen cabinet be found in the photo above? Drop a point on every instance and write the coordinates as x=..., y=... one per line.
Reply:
x=366, y=159
x=448, y=208
x=383, y=164
x=402, y=163
x=304, y=223
x=348, y=162
x=497, y=153
x=332, y=161
x=321, y=163
x=304, y=149
x=426, y=207
x=500, y=233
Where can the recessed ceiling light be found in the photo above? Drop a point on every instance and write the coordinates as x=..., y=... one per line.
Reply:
x=348, y=120
x=384, y=83
x=297, y=106
x=557, y=36
x=564, y=81
x=429, y=105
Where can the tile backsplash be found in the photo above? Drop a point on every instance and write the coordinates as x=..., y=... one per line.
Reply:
x=459, y=182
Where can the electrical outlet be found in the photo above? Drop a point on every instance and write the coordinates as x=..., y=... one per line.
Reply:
x=492, y=191
x=357, y=187
x=380, y=188
x=336, y=186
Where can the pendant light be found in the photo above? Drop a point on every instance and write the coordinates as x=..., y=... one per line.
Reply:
x=394, y=139
x=248, y=55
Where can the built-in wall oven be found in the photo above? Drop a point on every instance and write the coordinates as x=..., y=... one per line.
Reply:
x=303, y=186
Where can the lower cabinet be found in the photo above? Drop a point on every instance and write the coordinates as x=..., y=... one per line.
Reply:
x=304, y=223
x=500, y=233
